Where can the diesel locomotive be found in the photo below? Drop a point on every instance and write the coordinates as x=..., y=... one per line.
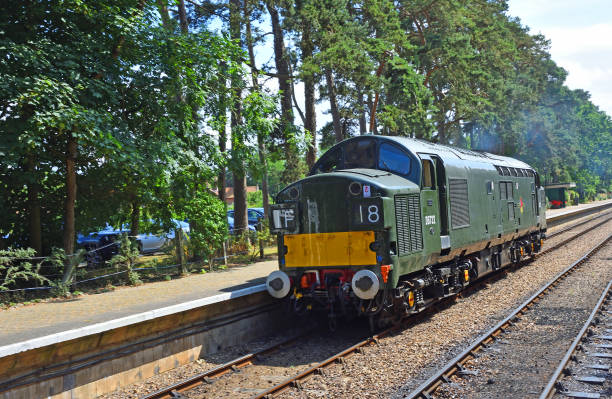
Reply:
x=384, y=225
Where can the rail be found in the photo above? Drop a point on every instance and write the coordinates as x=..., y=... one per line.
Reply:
x=551, y=387
x=455, y=365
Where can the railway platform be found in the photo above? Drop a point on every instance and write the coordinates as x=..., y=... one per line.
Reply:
x=24, y=323
x=574, y=208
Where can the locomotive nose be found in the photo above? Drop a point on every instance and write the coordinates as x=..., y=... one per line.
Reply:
x=278, y=284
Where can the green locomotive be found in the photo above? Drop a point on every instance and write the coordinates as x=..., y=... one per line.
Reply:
x=383, y=225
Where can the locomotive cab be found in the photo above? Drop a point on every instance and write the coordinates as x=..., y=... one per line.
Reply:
x=336, y=241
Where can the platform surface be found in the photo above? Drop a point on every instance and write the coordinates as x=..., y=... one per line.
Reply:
x=570, y=209
x=28, y=322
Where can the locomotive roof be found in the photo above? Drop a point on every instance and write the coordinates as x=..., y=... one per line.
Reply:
x=447, y=152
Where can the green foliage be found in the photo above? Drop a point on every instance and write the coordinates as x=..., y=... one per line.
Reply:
x=126, y=258
x=16, y=266
x=208, y=220
x=58, y=262
x=255, y=199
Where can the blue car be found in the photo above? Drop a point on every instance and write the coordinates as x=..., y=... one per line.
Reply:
x=254, y=215
x=230, y=223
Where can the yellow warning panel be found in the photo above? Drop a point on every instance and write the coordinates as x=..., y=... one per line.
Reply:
x=345, y=248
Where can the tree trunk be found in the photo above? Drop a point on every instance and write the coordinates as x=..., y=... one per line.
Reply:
x=261, y=147
x=265, y=192
x=291, y=172
x=240, y=202
x=370, y=105
x=182, y=13
x=222, y=98
x=135, y=218
x=310, y=124
x=35, y=229
x=69, y=220
x=363, y=129
x=331, y=89
x=221, y=175
x=162, y=7
x=442, y=130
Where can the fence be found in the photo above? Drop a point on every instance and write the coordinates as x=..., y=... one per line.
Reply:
x=181, y=265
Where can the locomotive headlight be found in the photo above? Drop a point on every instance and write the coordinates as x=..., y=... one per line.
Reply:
x=278, y=284
x=365, y=284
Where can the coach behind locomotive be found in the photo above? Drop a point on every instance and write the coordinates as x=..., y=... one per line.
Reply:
x=383, y=225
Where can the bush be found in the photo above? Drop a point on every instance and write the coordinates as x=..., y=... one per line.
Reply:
x=208, y=222
x=573, y=197
x=125, y=259
x=16, y=267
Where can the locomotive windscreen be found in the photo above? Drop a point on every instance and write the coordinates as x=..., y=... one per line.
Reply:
x=368, y=153
x=360, y=154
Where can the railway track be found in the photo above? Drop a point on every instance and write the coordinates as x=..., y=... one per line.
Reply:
x=209, y=377
x=569, y=228
x=457, y=364
x=585, y=377
x=173, y=391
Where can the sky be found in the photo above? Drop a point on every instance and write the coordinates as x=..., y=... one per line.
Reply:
x=580, y=32
x=581, y=41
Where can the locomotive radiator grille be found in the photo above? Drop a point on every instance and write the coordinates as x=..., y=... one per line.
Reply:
x=460, y=210
x=408, y=223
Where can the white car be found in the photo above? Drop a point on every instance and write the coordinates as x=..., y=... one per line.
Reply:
x=154, y=242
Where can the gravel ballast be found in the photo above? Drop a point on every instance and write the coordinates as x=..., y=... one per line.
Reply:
x=399, y=362
x=520, y=363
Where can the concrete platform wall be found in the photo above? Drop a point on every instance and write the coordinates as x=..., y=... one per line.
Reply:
x=97, y=364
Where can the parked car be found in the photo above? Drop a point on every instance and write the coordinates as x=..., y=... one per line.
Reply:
x=147, y=242
x=150, y=242
x=100, y=245
x=254, y=215
x=230, y=223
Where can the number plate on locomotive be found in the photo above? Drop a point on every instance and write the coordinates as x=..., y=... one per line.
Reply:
x=367, y=212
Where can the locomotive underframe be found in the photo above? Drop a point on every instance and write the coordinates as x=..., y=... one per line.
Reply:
x=413, y=291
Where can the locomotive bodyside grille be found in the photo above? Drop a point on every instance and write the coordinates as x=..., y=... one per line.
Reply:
x=460, y=211
x=408, y=223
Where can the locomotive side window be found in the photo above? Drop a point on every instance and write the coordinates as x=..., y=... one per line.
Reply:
x=394, y=160
x=360, y=154
x=429, y=181
x=502, y=190
x=509, y=190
